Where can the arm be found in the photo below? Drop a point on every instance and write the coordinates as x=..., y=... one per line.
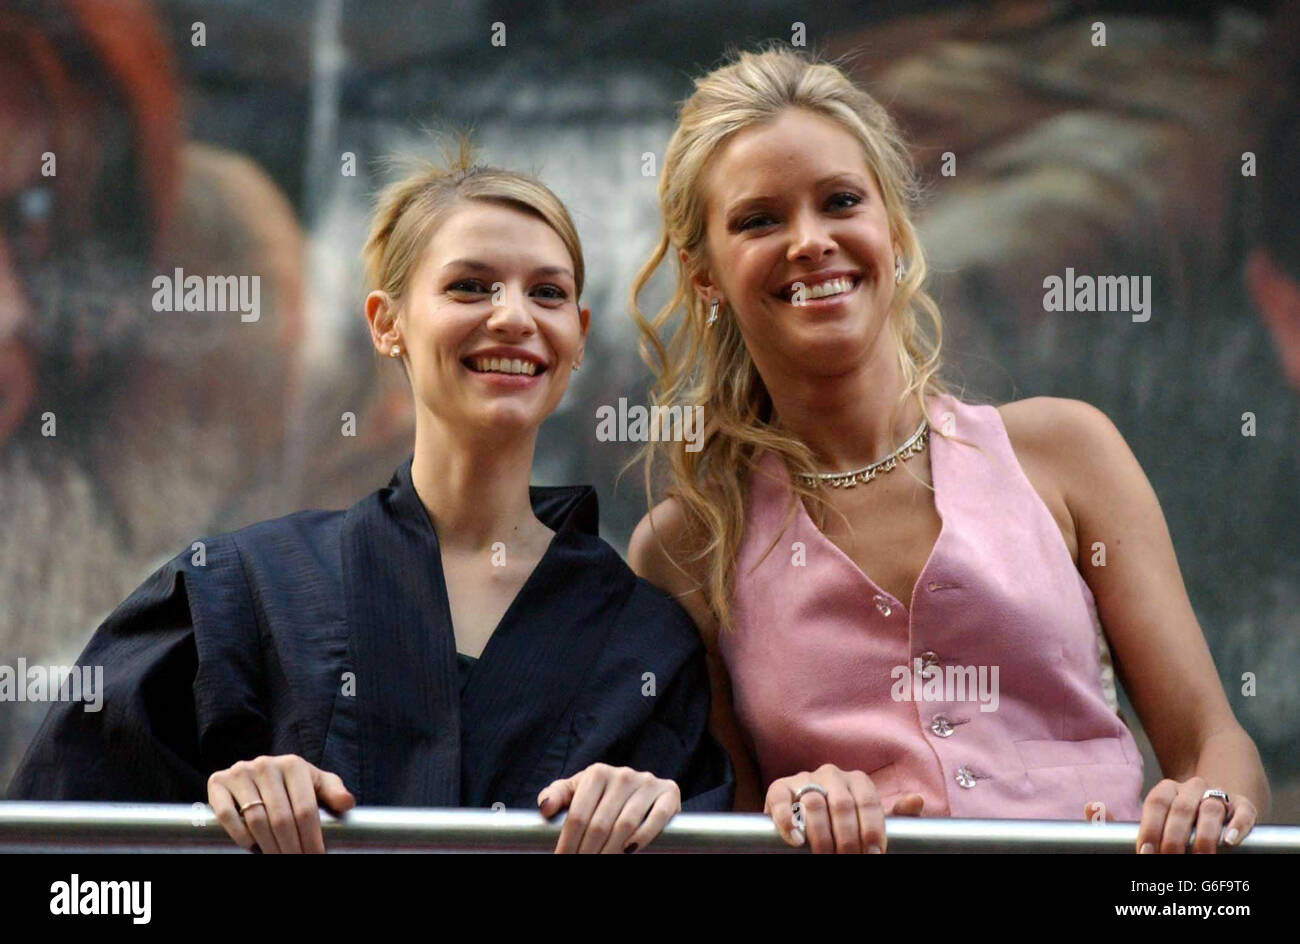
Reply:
x=649, y=557
x=141, y=745
x=1160, y=650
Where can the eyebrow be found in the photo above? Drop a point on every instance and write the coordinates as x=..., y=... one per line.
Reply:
x=745, y=202
x=478, y=266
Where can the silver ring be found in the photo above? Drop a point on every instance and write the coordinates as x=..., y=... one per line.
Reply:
x=810, y=788
x=1218, y=795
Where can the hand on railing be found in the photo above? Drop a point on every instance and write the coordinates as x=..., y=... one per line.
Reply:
x=1176, y=814
x=272, y=804
x=611, y=809
x=269, y=804
x=835, y=810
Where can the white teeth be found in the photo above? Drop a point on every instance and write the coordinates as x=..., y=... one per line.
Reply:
x=826, y=289
x=505, y=365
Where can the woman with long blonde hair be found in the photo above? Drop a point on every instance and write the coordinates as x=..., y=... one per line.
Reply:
x=901, y=592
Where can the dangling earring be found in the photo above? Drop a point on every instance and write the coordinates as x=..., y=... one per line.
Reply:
x=898, y=269
x=713, y=313
x=396, y=351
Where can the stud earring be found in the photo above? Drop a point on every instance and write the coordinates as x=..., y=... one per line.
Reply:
x=713, y=313
x=898, y=269
x=396, y=351
x=575, y=365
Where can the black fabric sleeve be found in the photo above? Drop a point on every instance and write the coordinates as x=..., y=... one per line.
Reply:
x=675, y=742
x=142, y=743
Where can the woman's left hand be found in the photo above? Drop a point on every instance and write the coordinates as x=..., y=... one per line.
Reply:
x=611, y=809
x=1172, y=809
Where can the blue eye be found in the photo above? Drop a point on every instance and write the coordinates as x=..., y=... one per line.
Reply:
x=757, y=219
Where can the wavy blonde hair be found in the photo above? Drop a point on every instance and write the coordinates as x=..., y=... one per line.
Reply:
x=710, y=366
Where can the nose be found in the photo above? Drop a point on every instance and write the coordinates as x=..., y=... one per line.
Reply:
x=810, y=241
x=510, y=316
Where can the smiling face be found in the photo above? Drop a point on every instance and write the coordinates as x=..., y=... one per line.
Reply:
x=489, y=325
x=798, y=246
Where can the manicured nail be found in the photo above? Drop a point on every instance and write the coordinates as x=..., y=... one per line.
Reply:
x=1147, y=849
x=631, y=847
x=797, y=836
x=1230, y=837
x=873, y=850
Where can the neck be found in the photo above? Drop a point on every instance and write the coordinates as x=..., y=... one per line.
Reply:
x=475, y=491
x=845, y=420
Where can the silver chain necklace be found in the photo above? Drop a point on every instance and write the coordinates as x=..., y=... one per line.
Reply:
x=915, y=444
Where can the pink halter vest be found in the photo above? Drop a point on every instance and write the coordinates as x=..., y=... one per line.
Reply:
x=987, y=698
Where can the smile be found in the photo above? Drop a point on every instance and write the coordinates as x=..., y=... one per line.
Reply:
x=835, y=289
x=501, y=365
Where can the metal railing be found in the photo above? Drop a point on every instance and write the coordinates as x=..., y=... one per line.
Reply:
x=123, y=827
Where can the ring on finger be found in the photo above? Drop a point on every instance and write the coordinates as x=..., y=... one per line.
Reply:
x=245, y=807
x=811, y=788
x=1218, y=795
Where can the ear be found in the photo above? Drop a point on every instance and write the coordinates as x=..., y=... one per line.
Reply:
x=584, y=321
x=381, y=314
x=701, y=278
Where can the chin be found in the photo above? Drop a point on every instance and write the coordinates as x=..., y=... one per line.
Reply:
x=828, y=349
x=511, y=419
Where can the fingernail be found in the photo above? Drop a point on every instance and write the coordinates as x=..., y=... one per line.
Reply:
x=631, y=847
x=1230, y=837
x=1146, y=849
x=873, y=850
x=797, y=836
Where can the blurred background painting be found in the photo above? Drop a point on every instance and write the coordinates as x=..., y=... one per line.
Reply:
x=246, y=138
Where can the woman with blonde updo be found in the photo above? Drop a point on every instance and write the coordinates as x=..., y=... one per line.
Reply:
x=455, y=639
x=898, y=589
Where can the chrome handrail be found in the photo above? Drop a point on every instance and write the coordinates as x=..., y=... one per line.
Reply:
x=116, y=827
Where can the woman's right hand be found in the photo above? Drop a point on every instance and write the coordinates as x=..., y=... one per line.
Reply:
x=282, y=790
x=849, y=818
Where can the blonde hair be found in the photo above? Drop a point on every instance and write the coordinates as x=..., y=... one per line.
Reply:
x=710, y=366
x=408, y=213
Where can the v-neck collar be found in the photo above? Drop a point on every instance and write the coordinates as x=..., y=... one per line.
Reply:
x=567, y=510
x=935, y=447
x=407, y=676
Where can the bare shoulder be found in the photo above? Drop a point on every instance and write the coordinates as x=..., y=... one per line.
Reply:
x=1050, y=423
x=1070, y=436
x=658, y=544
x=1067, y=449
x=660, y=551
x=1075, y=450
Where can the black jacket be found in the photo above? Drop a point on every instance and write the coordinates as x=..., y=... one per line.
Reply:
x=327, y=634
